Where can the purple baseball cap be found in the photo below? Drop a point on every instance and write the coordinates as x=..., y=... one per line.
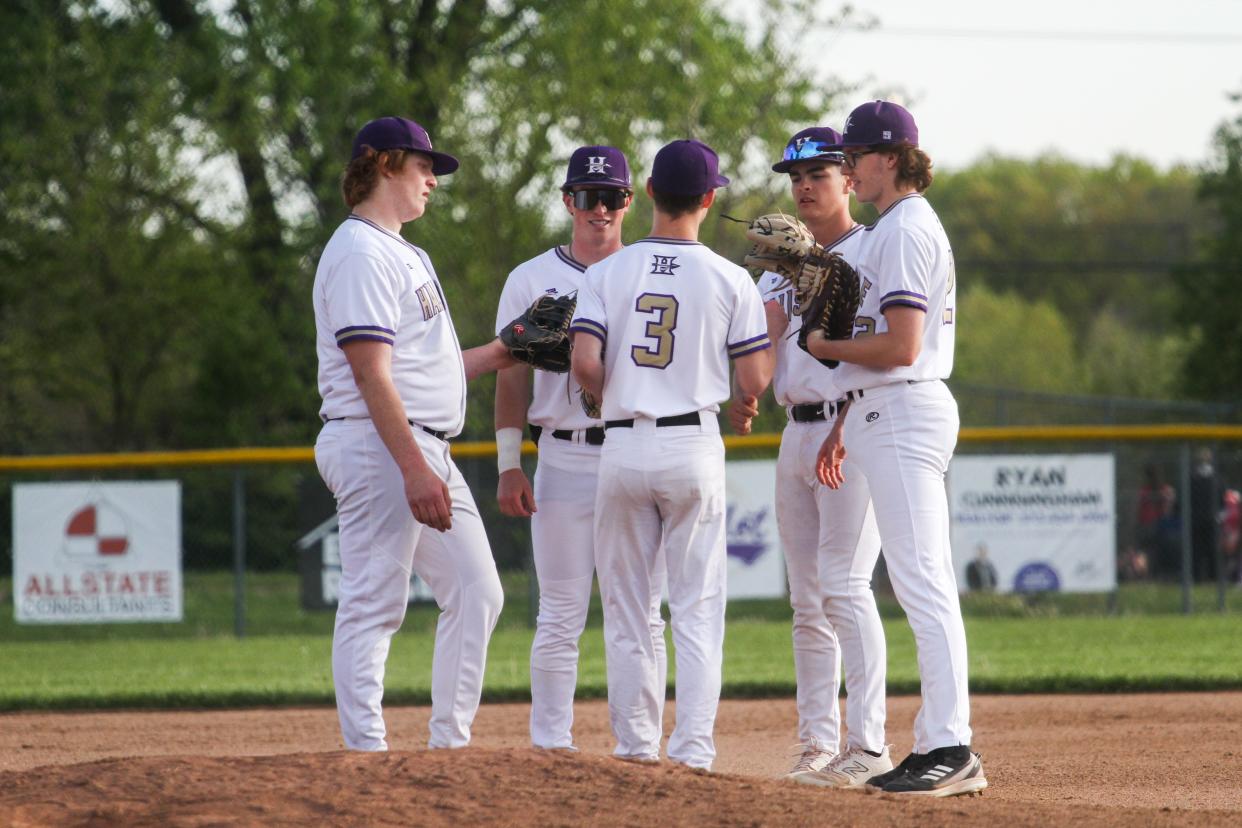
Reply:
x=686, y=167
x=823, y=143
x=880, y=122
x=401, y=133
x=601, y=167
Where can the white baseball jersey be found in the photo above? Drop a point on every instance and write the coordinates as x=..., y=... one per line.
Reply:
x=374, y=285
x=906, y=260
x=799, y=377
x=671, y=314
x=555, y=398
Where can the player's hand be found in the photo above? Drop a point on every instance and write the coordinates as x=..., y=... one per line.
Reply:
x=828, y=461
x=741, y=411
x=514, y=494
x=429, y=499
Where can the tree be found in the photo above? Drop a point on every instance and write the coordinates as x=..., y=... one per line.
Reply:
x=214, y=136
x=103, y=247
x=1210, y=305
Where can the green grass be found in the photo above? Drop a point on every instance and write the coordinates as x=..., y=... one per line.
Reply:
x=1008, y=655
x=1134, y=640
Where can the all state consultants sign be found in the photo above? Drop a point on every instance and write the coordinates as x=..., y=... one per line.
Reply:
x=97, y=552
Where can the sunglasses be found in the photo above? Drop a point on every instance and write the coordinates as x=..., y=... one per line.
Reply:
x=851, y=157
x=611, y=199
x=812, y=149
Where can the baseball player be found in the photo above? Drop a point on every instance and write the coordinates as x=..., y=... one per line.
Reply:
x=900, y=426
x=597, y=194
x=393, y=380
x=829, y=536
x=656, y=326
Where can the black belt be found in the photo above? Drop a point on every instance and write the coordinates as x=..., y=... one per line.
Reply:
x=439, y=435
x=812, y=412
x=858, y=395
x=677, y=420
x=593, y=436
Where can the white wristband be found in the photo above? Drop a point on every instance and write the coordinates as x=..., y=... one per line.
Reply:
x=508, y=449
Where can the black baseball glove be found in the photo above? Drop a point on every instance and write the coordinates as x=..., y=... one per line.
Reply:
x=826, y=296
x=540, y=336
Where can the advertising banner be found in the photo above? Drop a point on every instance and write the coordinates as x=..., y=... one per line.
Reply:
x=1034, y=523
x=756, y=566
x=97, y=552
x=319, y=569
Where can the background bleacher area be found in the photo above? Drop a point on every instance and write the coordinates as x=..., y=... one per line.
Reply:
x=1178, y=565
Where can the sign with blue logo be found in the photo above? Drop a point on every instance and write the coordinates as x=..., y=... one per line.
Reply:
x=756, y=567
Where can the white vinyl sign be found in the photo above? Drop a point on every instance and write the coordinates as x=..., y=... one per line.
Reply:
x=756, y=568
x=1034, y=523
x=97, y=552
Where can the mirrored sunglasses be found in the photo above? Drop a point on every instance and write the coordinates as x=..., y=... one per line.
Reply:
x=611, y=199
x=812, y=149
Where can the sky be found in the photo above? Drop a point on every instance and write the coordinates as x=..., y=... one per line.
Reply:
x=1082, y=78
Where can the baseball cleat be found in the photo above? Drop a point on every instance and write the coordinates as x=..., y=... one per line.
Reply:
x=637, y=758
x=877, y=782
x=852, y=769
x=812, y=759
x=946, y=771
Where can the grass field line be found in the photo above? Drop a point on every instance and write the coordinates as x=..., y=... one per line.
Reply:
x=1007, y=655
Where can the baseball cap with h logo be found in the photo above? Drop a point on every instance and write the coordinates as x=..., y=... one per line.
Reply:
x=599, y=167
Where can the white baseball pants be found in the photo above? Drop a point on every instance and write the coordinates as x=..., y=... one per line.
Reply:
x=379, y=544
x=562, y=535
x=663, y=485
x=831, y=546
x=902, y=437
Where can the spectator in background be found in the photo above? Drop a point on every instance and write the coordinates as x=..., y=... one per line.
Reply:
x=1204, y=508
x=981, y=573
x=1231, y=533
x=1157, y=504
x=1133, y=565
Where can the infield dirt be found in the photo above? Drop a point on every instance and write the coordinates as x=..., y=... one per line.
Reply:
x=1172, y=759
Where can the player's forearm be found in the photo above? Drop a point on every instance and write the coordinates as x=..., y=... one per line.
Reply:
x=880, y=351
x=587, y=363
x=778, y=323
x=388, y=416
x=512, y=396
x=753, y=372
x=590, y=375
x=486, y=358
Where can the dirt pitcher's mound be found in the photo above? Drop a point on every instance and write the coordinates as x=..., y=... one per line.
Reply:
x=480, y=787
x=1138, y=759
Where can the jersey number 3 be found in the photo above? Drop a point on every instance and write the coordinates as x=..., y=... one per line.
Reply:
x=660, y=329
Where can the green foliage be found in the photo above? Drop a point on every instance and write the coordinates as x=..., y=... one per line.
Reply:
x=1123, y=361
x=1010, y=342
x=1092, y=246
x=1210, y=307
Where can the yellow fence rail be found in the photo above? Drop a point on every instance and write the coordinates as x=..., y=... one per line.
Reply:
x=262, y=456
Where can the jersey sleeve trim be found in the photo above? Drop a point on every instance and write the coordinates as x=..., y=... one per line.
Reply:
x=749, y=346
x=374, y=333
x=589, y=326
x=908, y=298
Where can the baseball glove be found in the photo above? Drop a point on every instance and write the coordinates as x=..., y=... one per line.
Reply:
x=781, y=243
x=826, y=296
x=540, y=336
